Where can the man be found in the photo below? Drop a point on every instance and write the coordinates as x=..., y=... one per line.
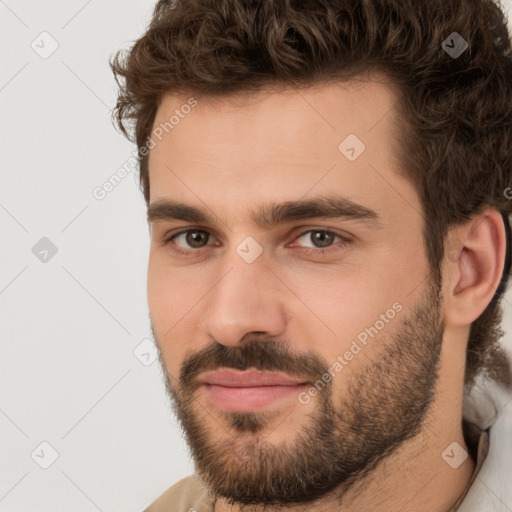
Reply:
x=328, y=195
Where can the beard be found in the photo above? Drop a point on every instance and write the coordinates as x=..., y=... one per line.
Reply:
x=377, y=407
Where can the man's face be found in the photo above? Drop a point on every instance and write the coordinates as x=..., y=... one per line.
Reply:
x=253, y=295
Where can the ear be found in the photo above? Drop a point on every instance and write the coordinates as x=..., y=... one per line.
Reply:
x=474, y=262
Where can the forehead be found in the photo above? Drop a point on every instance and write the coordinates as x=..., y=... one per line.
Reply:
x=280, y=144
x=329, y=109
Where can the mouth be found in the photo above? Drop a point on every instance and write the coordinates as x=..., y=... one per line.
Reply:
x=234, y=390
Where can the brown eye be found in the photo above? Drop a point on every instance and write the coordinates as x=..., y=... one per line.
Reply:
x=192, y=239
x=322, y=241
x=196, y=238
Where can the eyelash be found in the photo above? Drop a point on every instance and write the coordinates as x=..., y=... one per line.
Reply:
x=310, y=251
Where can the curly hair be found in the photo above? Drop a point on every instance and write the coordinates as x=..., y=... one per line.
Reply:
x=454, y=112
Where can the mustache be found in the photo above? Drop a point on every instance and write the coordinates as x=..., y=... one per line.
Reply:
x=264, y=355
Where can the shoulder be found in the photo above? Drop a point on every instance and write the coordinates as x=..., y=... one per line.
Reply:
x=188, y=494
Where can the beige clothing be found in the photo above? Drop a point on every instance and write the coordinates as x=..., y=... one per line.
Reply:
x=190, y=495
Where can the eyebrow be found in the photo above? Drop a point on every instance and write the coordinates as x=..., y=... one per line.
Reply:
x=271, y=214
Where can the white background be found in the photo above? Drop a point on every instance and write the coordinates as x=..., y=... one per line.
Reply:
x=70, y=325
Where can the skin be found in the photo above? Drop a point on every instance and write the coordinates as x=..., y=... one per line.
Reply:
x=229, y=156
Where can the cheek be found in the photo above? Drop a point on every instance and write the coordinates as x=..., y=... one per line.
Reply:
x=159, y=292
x=347, y=313
x=169, y=300
x=170, y=291
x=175, y=299
x=343, y=301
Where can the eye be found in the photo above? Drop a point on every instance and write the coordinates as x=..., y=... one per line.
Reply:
x=197, y=239
x=322, y=240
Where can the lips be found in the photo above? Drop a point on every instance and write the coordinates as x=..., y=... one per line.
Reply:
x=248, y=378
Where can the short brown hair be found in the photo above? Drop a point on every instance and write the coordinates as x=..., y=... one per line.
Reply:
x=455, y=112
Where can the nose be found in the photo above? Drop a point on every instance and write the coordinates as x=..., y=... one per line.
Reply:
x=247, y=298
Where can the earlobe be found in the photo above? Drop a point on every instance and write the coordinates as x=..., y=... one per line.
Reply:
x=475, y=272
